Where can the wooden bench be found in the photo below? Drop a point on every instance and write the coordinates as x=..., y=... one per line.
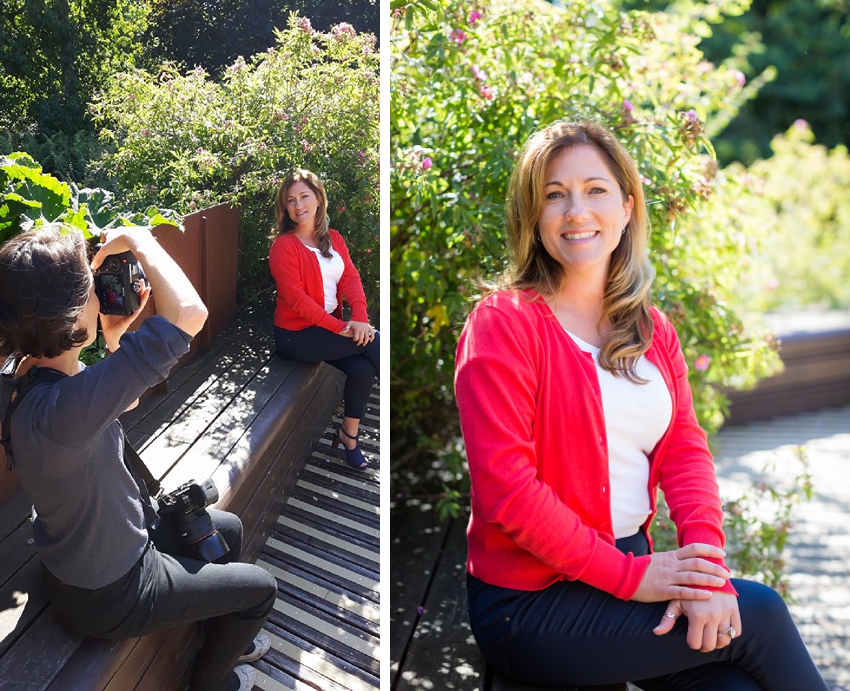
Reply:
x=431, y=644
x=238, y=414
x=815, y=349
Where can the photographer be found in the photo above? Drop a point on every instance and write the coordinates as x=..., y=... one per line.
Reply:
x=111, y=569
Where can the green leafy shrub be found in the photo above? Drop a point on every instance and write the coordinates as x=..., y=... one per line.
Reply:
x=802, y=190
x=469, y=84
x=65, y=156
x=30, y=198
x=186, y=141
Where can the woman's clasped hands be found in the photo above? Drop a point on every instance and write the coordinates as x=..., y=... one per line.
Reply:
x=678, y=576
x=361, y=332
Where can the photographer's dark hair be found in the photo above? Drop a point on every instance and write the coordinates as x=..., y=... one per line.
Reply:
x=45, y=282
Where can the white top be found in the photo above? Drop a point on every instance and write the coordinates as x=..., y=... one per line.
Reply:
x=636, y=417
x=332, y=269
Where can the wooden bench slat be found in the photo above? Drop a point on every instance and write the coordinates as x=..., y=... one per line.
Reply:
x=444, y=651
x=15, y=551
x=21, y=603
x=416, y=537
x=39, y=653
x=96, y=660
x=14, y=513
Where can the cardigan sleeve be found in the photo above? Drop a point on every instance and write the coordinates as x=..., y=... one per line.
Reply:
x=497, y=378
x=687, y=473
x=287, y=271
x=350, y=285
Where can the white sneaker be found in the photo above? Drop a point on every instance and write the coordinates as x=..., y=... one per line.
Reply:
x=247, y=675
x=259, y=647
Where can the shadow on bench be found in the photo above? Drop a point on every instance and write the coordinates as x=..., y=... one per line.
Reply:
x=238, y=414
x=431, y=644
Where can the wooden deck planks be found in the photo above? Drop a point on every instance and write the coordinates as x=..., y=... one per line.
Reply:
x=324, y=553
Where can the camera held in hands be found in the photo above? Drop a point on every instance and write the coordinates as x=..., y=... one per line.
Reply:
x=186, y=506
x=117, y=283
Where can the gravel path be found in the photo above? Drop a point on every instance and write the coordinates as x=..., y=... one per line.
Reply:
x=819, y=547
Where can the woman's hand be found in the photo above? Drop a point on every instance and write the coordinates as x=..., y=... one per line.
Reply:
x=177, y=301
x=118, y=240
x=672, y=575
x=115, y=325
x=709, y=621
x=361, y=332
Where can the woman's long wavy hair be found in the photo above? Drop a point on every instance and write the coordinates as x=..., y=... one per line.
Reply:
x=45, y=283
x=285, y=224
x=626, y=300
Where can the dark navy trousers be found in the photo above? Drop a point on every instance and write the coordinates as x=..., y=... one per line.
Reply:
x=361, y=364
x=571, y=634
x=167, y=589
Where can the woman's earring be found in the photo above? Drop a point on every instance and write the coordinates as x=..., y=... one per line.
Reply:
x=623, y=231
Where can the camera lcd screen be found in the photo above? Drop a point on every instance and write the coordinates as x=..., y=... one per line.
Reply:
x=113, y=291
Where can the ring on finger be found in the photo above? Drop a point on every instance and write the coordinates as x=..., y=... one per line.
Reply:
x=730, y=632
x=672, y=615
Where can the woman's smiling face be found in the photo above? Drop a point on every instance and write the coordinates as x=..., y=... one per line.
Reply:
x=584, y=212
x=301, y=205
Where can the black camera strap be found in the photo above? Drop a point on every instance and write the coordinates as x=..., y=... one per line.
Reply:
x=33, y=376
x=135, y=462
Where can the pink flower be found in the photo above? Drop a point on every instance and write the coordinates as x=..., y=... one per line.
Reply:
x=192, y=205
x=340, y=31
x=308, y=147
x=645, y=180
x=692, y=115
x=427, y=163
x=479, y=74
x=146, y=132
x=486, y=92
x=298, y=128
x=627, y=105
x=801, y=124
x=368, y=250
x=303, y=23
x=772, y=283
x=702, y=363
x=153, y=188
x=740, y=77
x=457, y=36
x=341, y=209
x=474, y=16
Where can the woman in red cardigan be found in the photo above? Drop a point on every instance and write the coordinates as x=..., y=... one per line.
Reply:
x=313, y=272
x=575, y=407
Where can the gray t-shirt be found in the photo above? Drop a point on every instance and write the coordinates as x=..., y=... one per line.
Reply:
x=89, y=524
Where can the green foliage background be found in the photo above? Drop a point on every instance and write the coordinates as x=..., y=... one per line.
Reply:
x=187, y=141
x=807, y=43
x=466, y=93
x=214, y=34
x=84, y=90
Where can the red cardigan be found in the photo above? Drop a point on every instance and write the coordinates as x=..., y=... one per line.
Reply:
x=531, y=413
x=300, y=292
